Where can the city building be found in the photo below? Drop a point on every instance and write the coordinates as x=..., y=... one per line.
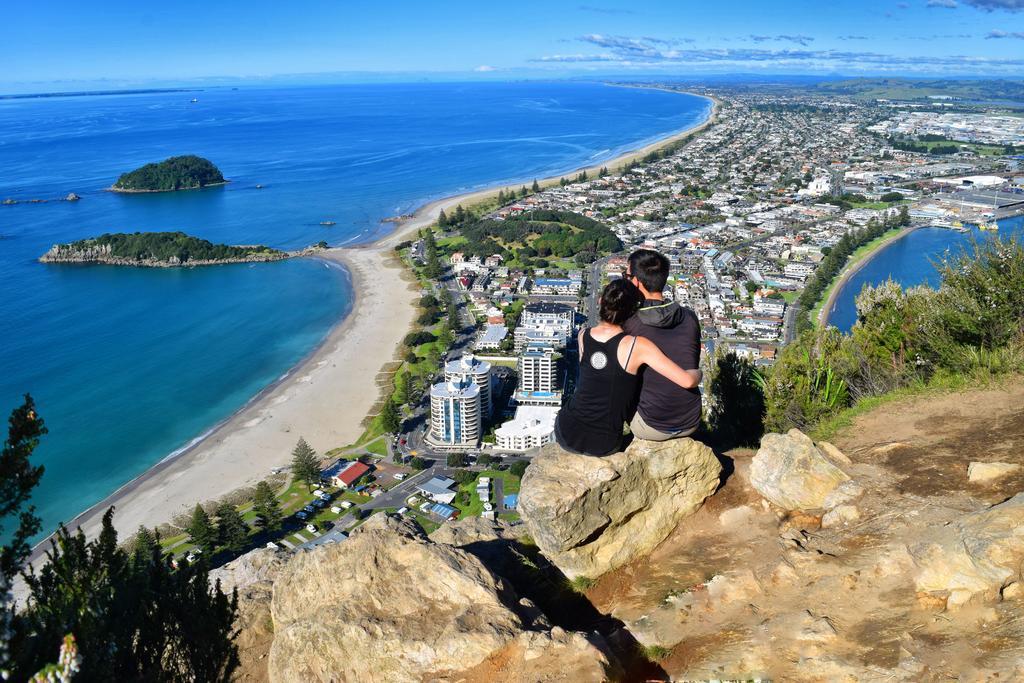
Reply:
x=538, y=369
x=455, y=415
x=541, y=314
x=533, y=427
x=491, y=338
x=472, y=369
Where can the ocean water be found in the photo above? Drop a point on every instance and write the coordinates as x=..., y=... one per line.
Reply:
x=910, y=261
x=130, y=365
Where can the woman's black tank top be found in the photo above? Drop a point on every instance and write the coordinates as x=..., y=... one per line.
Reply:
x=605, y=399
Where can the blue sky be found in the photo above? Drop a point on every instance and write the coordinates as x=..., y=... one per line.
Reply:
x=114, y=42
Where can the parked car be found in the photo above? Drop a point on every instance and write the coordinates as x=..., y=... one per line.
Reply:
x=318, y=504
x=400, y=475
x=402, y=510
x=336, y=509
x=273, y=546
x=309, y=509
x=346, y=504
x=193, y=555
x=311, y=528
x=317, y=493
x=302, y=514
x=323, y=495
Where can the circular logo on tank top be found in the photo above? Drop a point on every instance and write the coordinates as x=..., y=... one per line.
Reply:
x=598, y=360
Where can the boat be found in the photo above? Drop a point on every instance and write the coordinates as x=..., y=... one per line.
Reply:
x=993, y=226
x=327, y=223
x=194, y=100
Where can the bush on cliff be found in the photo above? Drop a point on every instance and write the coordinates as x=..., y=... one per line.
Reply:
x=973, y=322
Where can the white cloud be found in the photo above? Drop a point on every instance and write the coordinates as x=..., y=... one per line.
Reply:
x=483, y=68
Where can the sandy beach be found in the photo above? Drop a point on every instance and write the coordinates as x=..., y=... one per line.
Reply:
x=324, y=399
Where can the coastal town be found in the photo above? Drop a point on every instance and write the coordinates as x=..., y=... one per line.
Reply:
x=747, y=207
x=747, y=210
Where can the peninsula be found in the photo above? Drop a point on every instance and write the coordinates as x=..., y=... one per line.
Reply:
x=188, y=172
x=158, y=250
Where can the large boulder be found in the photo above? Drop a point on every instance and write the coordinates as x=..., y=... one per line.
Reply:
x=253, y=576
x=973, y=558
x=389, y=604
x=590, y=515
x=791, y=472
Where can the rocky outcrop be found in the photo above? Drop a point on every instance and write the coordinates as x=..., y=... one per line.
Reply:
x=794, y=474
x=389, y=604
x=253, y=575
x=972, y=559
x=988, y=471
x=590, y=515
x=101, y=253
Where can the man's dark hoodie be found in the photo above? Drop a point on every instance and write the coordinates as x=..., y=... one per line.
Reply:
x=664, y=405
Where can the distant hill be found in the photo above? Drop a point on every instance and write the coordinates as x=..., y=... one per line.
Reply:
x=156, y=249
x=187, y=172
x=924, y=89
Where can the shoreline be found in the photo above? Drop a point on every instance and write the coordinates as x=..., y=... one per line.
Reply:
x=326, y=395
x=853, y=268
x=119, y=190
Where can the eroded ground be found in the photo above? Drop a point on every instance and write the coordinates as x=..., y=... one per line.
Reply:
x=742, y=590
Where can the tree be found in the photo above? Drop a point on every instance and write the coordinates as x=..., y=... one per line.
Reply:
x=390, y=420
x=418, y=463
x=737, y=402
x=536, y=186
x=145, y=546
x=305, y=464
x=132, y=621
x=484, y=459
x=518, y=468
x=267, y=508
x=18, y=477
x=201, y=529
x=232, y=531
x=456, y=460
x=442, y=219
x=463, y=476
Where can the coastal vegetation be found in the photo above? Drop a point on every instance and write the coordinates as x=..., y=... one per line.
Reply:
x=833, y=263
x=970, y=327
x=187, y=172
x=125, y=614
x=156, y=248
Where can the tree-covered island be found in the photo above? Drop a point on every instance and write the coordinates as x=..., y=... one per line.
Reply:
x=159, y=250
x=187, y=172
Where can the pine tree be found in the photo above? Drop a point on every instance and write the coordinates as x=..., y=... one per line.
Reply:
x=131, y=621
x=563, y=182
x=536, y=185
x=145, y=547
x=267, y=507
x=442, y=220
x=460, y=214
x=201, y=530
x=390, y=420
x=501, y=197
x=523, y=191
x=305, y=464
x=19, y=478
x=232, y=531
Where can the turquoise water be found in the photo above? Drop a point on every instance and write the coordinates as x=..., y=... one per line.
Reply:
x=130, y=365
x=910, y=261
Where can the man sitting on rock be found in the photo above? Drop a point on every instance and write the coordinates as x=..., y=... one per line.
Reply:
x=666, y=410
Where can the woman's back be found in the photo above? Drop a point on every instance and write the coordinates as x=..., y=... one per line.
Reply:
x=604, y=401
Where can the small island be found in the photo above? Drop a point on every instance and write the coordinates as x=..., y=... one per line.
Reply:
x=187, y=172
x=160, y=250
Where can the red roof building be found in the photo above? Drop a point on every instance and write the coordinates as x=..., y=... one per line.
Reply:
x=350, y=474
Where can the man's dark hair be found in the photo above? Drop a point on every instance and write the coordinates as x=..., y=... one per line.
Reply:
x=650, y=268
x=619, y=301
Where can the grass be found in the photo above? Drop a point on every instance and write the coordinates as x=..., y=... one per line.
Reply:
x=856, y=257
x=656, y=653
x=942, y=383
x=377, y=447
x=428, y=525
x=511, y=480
x=790, y=297
x=582, y=583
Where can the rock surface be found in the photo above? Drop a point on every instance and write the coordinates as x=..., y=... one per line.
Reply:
x=973, y=558
x=987, y=471
x=791, y=472
x=591, y=515
x=389, y=604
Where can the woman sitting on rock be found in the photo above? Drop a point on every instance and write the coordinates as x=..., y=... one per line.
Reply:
x=608, y=385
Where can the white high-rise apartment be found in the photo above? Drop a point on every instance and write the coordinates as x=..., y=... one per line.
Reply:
x=472, y=369
x=538, y=369
x=455, y=418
